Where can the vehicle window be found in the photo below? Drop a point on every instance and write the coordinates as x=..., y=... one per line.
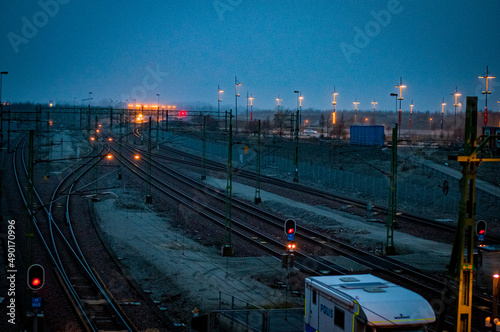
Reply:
x=339, y=318
x=314, y=297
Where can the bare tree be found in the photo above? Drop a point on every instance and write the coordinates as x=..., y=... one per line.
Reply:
x=280, y=120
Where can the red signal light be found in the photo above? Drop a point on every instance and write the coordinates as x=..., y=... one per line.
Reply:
x=482, y=231
x=290, y=228
x=182, y=113
x=36, y=276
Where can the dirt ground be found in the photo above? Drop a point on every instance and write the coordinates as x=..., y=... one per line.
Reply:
x=172, y=265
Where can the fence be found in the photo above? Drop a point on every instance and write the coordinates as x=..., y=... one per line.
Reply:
x=426, y=198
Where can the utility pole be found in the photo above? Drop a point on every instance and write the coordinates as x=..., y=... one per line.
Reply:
x=460, y=275
x=257, y=198
x=227, y=248
x=391, y=213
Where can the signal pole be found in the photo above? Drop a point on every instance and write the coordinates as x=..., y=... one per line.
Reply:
x=257, y=198
x=460, y=275
x=227, y=249
x=391, y=213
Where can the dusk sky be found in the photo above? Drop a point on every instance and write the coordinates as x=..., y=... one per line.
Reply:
x=61, y=49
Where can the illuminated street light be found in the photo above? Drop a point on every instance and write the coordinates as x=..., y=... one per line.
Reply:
x=279, y=101
x=487, y=77
x=409, y=124
x=219, y=91
x=455, y=105
x=374, y=105
x=356, y=103
x=251, y=106
x=334, y=102
x=430, y=123
x=443, y=104
x=401, y=86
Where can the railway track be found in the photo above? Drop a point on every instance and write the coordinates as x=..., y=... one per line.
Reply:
x=384, y=266
x=94, y=306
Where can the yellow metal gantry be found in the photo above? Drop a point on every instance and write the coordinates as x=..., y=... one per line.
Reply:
x=460, y=274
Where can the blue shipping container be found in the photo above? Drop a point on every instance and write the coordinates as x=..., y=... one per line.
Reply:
x=367, y=135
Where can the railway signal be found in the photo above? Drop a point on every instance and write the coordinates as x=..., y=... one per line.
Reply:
x=290, y=229
x=291, y=246
x=480, y=229
x=36, y=277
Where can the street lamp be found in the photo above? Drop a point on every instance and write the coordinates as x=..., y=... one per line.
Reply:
x=409, y=126
x=486, y=93
x=279, y=101
x=430, y=123
x=236, y=95
x=219, y=91
x=401, y=86
x=374, y=105
x=334, y=102
x=456, y=104
x=356, y=103
x=251, y=106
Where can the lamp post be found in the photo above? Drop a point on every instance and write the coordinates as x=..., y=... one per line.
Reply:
x=486, y=93
x=374, y=105
x=236, y=95
x=430, y=123
x=251, y=106
x=219, y=91
x=455, y=105
x=279, y=101
x=443, y=104
x=409, y=123
x=334, y=103
x=494, y=311
x=401, y=86
x=356, y=103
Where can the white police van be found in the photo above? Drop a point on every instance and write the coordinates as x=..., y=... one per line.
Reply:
x=363, y=303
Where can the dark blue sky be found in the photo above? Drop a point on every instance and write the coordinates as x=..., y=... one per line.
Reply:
x=61, y=49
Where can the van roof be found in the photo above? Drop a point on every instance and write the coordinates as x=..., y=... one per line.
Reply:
x=383, y=303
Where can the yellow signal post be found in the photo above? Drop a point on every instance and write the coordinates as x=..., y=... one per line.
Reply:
x=460, y=275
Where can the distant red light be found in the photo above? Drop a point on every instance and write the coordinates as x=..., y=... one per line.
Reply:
x=290, y=231
x=482, y=231
x=35, y=282
x=182, y=113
